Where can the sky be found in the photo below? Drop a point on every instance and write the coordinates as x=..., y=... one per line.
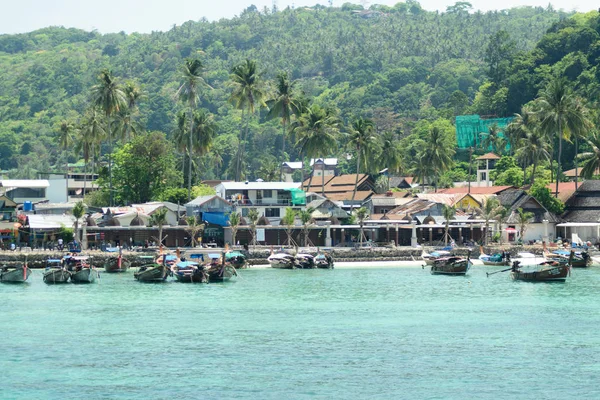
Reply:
x=144, y=16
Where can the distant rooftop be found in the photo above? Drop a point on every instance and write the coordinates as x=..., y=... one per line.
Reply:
x=260, y=185
x=488, y=156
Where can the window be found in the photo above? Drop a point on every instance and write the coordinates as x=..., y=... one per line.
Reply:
x=483, y=176
x=267, y=193
x=245, y=211
x=272, y=212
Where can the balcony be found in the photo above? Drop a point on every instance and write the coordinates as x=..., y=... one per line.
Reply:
x=263, y=203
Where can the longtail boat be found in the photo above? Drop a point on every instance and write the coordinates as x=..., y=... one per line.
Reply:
x=117, y=264
x=430, y=258
x=189, y=271
x=305, y=261
x=237, y=259
x=453, y=265
x=55, y=272
x=218, y=269
x=497, y=259
x=546, y=271
x=282, y=261
x=18, y=274
x=152, y=273
x=581, y=259
x=81, y=270
x=324, y=261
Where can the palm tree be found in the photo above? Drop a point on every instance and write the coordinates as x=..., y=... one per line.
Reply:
x=501, y=215
x=439, y=153
x=189, y=93
x=533, y=147
x=488, y=212
x=283, y=105
x=306, y=219
x=253, y=219
x=65, y=141
x=205, y=131
x=193, y=227
x=523, y=220
x=361, y=215
x=108, y=96
x=491, y=138
x=78, y=211
x=591, y=159
x=316, y=130
x=235, y=219
x=421, y=167
x=390, y=156
x=91, y=135
x=181, y=138
x=448, y=213
x=126, y=124
x=288, y=220
x=247, y=93
x=362, y=138
x=561, y=114
x=159, y=219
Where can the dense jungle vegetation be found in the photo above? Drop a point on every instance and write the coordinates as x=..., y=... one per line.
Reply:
x=401, y=74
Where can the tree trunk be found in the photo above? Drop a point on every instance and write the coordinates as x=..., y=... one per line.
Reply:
x=282, y=152
x=110, y=185
x=524, y=170
x=311, y=177
x=559, y=156
x=190, y=154
x=84, y=176
x=446, y=234
x=535, y=162
x=357, y=172
x=160, y=232
x=576, y=163
x=323, y=179
x=238, y=156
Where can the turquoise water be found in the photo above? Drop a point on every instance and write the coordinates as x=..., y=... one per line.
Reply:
x=305, y=334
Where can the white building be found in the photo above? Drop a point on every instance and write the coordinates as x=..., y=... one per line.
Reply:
x=270, y=199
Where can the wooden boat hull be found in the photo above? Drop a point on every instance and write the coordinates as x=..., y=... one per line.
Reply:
x=189, y=276
x=496, y=263
x=152, y=273
x=553, y=273
x=454, y=268
x=15, y=275
x=56, y=276
x=85, y=275
x=221, y=273
x=112, y=265
x=282, y=264
x=324, y=264
x=305, y=263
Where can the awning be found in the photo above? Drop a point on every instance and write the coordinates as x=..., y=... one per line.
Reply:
x=214, y=218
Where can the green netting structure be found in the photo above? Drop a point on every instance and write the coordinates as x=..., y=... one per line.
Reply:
x=298, y=197
x=471, y=129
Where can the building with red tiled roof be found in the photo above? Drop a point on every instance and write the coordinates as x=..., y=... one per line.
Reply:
x=341, y=188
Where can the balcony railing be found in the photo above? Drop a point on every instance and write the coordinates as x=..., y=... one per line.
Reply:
x=263, y=203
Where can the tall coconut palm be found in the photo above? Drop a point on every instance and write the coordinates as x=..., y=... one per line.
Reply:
x=488, y=212
x=391, y=154
x=288, y=220
x=108, y=96
x=316, y=130
x=205, y=131
x=193, y=227
x=448, y=212
x=247, y=94
x=283, y=105
x=591, y=160
x=181, y=137
x=421, y=168
x=78, y=211
x=159, y=219
x=66, y=139
x=534, y=147
x=189, y=94
x=125, y=122
x=439, y=153
x=235, y=219
x=362, y=139
x=92, y=134
x=561, y=114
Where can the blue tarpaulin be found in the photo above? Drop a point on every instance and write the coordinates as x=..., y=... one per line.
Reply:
x=214, y=218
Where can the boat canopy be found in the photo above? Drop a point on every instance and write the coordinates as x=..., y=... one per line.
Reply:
x=53, y=261
x=198, y=256
x=232, y=254
x=213, y=256
x=187, y=264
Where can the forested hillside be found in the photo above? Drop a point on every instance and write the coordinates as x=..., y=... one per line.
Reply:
x=395, y=65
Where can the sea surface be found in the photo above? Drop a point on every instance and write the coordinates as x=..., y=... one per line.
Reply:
x=360, y=333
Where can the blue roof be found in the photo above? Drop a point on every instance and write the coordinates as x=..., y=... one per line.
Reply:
x=214, y=218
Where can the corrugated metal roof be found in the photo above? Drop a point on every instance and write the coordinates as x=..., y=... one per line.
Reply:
x=50, y=221
x=328, y=161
